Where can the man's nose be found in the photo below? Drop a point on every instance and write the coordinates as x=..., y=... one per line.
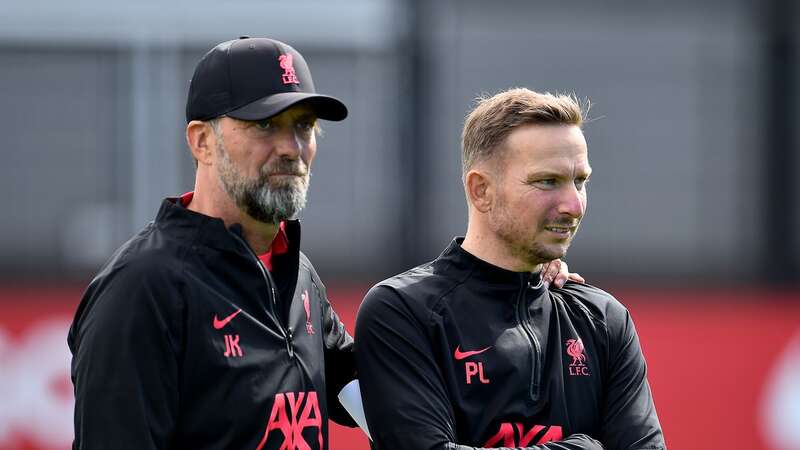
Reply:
x=288, y=144
x=572, y=201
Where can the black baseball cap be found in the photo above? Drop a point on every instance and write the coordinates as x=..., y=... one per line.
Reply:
x=252, y=79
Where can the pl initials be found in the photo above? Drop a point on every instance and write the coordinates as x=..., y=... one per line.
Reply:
x=475, y=368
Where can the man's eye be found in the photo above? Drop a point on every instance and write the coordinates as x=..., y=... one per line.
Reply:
x=580, y=183
x=263, y=124
x=547, y=182
x=305, y=125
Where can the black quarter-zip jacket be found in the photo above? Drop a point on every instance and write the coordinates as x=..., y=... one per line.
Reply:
x=461, y=354
x=183, y=340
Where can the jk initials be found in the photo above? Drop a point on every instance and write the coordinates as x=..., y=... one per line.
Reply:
x=232, y=348
x=475, y=368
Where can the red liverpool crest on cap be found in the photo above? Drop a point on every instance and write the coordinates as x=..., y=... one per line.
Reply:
x=287, y=64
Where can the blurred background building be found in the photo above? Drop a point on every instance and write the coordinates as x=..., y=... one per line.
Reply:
x=694, y=210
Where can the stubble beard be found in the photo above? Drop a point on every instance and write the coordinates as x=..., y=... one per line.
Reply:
x=265, y=202
x=521, y=241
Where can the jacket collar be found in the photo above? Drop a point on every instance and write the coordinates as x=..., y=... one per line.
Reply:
x=184, y=223
x=461, y=264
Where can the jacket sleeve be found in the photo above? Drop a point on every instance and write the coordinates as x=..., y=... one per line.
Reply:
x=125, y=342
x=629, y=415
x=340, y=363
x=404, y=393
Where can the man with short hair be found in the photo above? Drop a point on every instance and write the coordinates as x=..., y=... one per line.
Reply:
x=209, y=329
x=471, y=350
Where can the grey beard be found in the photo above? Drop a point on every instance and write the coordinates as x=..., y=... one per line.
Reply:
x=259, y=200
x=270, y=205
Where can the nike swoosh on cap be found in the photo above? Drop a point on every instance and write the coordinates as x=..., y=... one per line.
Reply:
x=459, y=355
x=219, y=324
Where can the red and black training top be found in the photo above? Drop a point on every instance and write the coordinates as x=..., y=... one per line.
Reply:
x=184, y=340
x=459, y=354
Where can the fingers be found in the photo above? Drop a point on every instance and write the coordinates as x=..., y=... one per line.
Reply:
x=550, y=271
x=562, y=274
x=556, y=273
x=544, y=272
x=576, y=277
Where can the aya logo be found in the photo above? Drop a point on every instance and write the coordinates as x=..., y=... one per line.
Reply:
x=575, y=349
x=287, y=64
x=307, y=306
x=292, y=413
x=518, y=435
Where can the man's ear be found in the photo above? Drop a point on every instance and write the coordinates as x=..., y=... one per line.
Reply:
x=480, y=187
x=201, y=140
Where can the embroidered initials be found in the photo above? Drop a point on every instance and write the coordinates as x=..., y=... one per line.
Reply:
x=232, y=348
x=475, y=368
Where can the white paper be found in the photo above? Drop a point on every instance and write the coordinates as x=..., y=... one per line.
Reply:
x=350, y=398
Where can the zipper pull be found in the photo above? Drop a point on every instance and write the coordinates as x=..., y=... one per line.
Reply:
x=289, y=343
x=534, y=286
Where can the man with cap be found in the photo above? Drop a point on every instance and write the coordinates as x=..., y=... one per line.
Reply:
x=209, y=329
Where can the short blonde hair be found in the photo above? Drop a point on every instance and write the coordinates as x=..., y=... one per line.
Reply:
x=491, y=121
